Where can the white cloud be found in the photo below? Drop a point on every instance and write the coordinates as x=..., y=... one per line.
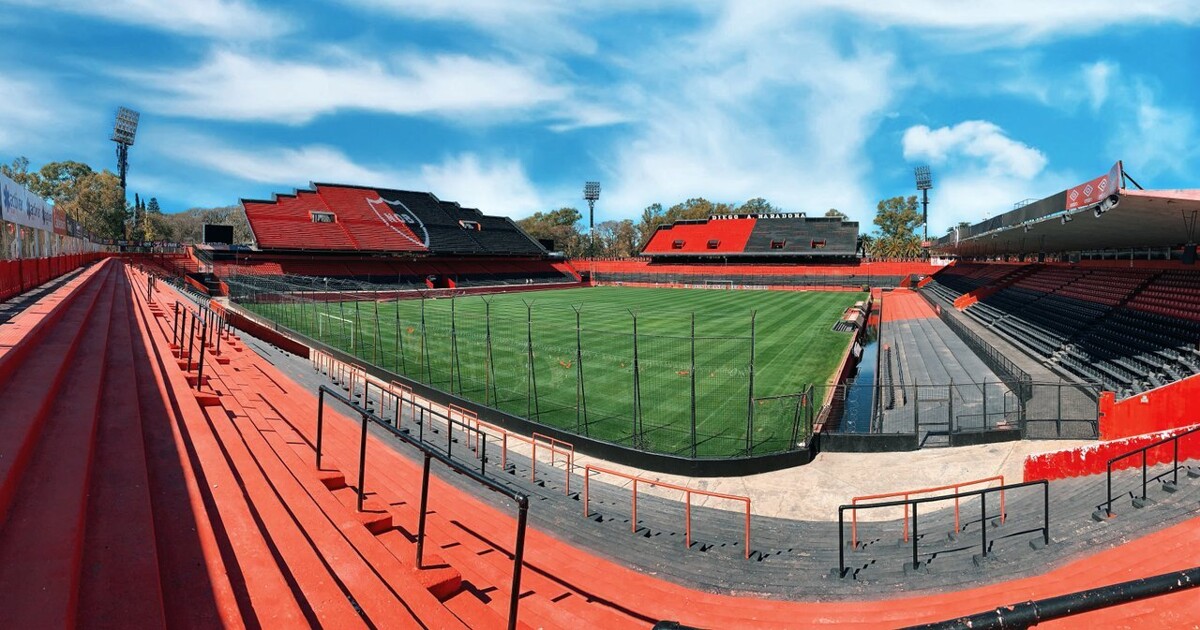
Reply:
x=496, y=186
x=499, y=187
x=234, y=86
x=1154, y=139
x=979, y=171
x=738, y=110
x=517, y=24
x=981, y=141
x=1012, y=22
x=200, y=18
x=1097, y=77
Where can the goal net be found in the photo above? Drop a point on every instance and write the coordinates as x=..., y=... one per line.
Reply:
x=718, y=284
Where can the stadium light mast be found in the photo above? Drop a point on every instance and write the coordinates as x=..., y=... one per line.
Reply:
x=124, y=132
x=591, y=193
x=924, y=183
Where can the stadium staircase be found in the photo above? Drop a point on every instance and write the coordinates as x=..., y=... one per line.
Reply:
x=134, y=493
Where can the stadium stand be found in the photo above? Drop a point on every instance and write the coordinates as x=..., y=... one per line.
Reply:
x=333, y=217
x=1130, y=329
x=135, y=493
x=754, y=235
x=846, y=274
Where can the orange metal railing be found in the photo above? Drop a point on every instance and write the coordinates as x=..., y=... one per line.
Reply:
x=688, y=492
x=906, y=494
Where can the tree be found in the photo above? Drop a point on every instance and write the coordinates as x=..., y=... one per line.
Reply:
x=58, y=180
x=897, y=220
x=834, y=212
x=18, y=171
x=652, y=217
x=561, y=226
x=757, y=205
x=98, y=202
x=188, y=226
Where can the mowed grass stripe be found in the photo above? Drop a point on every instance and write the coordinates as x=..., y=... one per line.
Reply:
x=794, y=347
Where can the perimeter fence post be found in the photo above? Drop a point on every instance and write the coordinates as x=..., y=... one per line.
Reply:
x=692, y=372
x=750, y=390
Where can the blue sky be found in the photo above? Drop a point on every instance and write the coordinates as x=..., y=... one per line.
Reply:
x=511, y=105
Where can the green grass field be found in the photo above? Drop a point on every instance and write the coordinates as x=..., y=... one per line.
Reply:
x=794, y=346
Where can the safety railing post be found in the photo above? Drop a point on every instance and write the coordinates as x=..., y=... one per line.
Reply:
x=1046, y=511
x=175, y=326
x=200, y=367
x=518, y=562
x=320, y=421
x=362, y=463
x=1175, y=469
x=421, y=514
x=586, y=477
x=191, y=340
x=914, y=537
x=841, y=542
x=687, y=524
x=983, y=522
x=1144, y=475
x=633, y=521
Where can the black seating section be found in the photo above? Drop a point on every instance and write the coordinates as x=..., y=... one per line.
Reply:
x=810, y=236
x=962, y=278
x=1128, y=329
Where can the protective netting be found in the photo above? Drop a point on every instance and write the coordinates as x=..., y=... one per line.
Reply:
x=675, y=386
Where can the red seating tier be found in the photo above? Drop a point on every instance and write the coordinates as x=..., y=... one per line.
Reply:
x=731, y=236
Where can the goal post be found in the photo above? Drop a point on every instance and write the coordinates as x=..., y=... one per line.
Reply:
x=337, y=325
x=718, y=284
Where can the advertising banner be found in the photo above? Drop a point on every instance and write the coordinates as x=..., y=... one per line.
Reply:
x=60, y=222
x=1096, y=190
x=12, y=200
x=39, y=213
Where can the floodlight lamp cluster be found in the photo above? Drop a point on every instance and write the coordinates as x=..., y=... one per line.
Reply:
x=125, y=128
x=591, y=191
x=924, y=177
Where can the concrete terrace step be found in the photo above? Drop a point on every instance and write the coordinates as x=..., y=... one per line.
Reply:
x=28, y=392
x=41, y=541
x=120, y=563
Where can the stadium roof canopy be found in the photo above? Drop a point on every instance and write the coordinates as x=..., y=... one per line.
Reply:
x=1128, y=218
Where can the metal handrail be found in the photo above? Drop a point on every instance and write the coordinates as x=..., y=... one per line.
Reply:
x=982, y=493
x=688, y=492
x=430, y=453
x=1033, y=612
x=1174, y=471
x=907, y=493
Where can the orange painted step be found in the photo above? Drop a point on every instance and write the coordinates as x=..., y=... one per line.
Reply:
x=192, y=575
x=263, y=593
x=120, y=561
x=299, y=560
x=27, y=395
x=281, y=462
x=41, y=542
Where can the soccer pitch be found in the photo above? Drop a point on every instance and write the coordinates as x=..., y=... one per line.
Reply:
x=524, y=354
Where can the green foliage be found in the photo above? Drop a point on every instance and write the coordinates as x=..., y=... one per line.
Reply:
x=834, y=212
x=561, y=226
x=897, y=220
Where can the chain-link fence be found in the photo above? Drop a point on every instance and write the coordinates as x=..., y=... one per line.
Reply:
x=716, y=278
x=649, y=380
x=1041, y=410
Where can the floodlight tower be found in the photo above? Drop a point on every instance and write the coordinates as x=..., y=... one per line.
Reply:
x=591, y=193
x=124, y=131
x=924, y=183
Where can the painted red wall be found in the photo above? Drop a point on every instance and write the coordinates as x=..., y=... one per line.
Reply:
x=1093, y=458
x=1166, y=407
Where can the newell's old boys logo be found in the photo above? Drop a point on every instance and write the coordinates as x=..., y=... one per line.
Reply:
x=393, y=212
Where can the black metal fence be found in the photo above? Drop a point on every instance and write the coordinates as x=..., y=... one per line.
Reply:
x=674, y=387
x=937, y=413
